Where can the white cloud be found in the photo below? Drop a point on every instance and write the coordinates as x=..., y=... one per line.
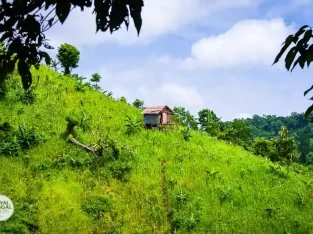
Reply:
x=223, y=86
x=159, y=17
x=146, y=86
x=248, y=42
x=174, y=94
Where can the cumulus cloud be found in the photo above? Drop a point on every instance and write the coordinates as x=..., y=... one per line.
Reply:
x=159, y=17
x=175, y=93
x=217, y=77
x=248, y=42
x=146, y=86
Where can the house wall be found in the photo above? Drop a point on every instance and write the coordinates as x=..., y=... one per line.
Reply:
x=151, y=119
x=164, y=118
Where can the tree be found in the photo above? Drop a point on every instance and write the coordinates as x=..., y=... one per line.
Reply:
x=309, y=159
x=265, y=147
x=123, y=99
x=300, y=53
x=68, y=56
x=184, y=118
x=238, y=133
x=96, y=78
x=286, y=146
x=209, y=122
x=23, y=25
x=138, y=104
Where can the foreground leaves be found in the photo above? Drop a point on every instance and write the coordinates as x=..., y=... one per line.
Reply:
x=22, y=27
x=300, y=54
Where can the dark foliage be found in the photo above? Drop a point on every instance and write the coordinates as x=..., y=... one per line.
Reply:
x=13, y=141
x=96, y=207
x=184, y=118
x=268, y=127
x=23, y=25
x=301, y=53
x=68, y=56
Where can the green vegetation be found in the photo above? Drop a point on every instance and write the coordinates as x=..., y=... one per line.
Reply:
x=68, y=56
x=96, y=79
x=139, y=104
x=24, y=24
x=81, y=162
x=300, y=54
x=268, y=127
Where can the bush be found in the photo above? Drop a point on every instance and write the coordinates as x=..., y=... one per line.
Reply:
x=12, y=142
x=186, y=134
x=71, y=123
x=96, y=207
x=120, y=170
x=27, y=137
x=133, y=126
x=27, y=96
x=11, y=148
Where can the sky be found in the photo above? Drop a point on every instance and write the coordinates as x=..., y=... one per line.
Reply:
x=214, y=54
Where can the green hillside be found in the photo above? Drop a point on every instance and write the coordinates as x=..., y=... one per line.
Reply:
x=147, y=182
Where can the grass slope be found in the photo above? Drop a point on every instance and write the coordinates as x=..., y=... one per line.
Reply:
x=201, y=186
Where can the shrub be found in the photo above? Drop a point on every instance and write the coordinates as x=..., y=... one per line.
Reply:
x=28, y=96
x=10, y=148
x=27, y=137
x=3, y=89
x=96, y=207
x=186, y=134
x=120, y=170
x=85, y=121
x=133, y=126
x=71, y=123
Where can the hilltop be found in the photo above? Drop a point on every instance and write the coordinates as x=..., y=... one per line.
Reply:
x=146, y=181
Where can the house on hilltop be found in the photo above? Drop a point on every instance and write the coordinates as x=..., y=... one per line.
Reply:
x=157, y=115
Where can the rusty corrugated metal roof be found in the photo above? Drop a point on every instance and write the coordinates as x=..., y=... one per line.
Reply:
x=154, y=110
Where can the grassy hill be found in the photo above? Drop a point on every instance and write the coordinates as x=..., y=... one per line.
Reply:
x=148, y=182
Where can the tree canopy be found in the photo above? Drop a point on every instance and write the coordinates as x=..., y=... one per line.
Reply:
x=300, y=54
x=23, y=24
x=69, y=56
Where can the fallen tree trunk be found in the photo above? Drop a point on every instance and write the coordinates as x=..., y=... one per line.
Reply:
x=76, y=142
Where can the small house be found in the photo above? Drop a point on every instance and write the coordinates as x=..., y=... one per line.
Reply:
x=157, y=115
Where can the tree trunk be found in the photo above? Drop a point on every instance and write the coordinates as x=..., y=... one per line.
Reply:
x=67, y=71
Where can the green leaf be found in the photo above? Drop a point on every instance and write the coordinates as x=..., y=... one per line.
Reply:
x=301, y=61
x=45, y=55
x=301, y=30
x=290, y=57
x=307, y=36
x=62, y=10
x=50, y=21
x=308, y=112
x=25, y=74
x=135, y=12
x=306, y=92
x=284, y=48
x=295, y=64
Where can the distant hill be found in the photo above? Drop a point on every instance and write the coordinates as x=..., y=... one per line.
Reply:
x=268, y=126
x=138, y=181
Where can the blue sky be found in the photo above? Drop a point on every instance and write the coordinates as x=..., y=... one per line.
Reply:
x=214, y=54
